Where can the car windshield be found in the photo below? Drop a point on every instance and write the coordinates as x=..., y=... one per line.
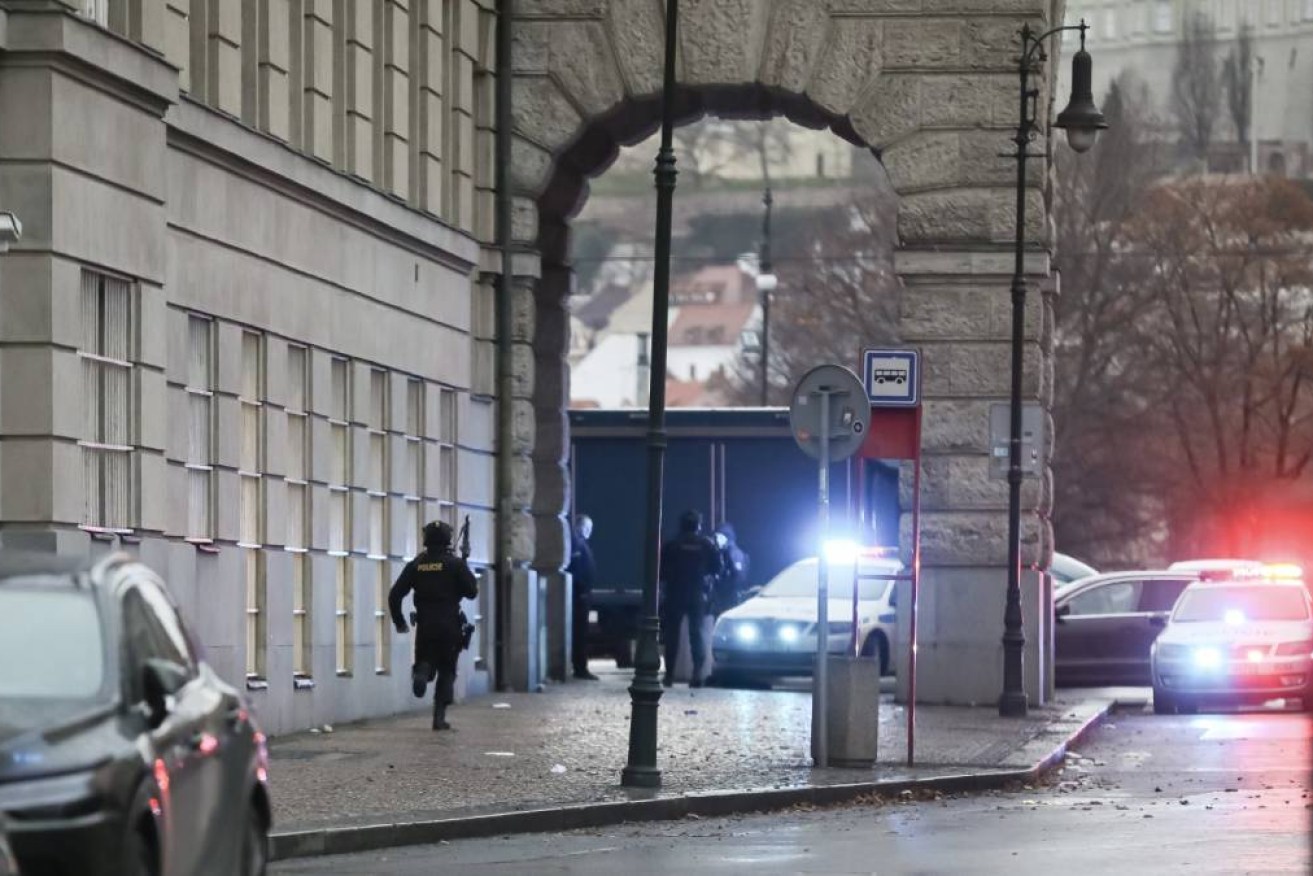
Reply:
x=51, y=644
x=1241, y=603
x=800, y=580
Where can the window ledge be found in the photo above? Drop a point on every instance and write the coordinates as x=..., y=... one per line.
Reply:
x=303, y=682
x=256, y=683
x=344, y=673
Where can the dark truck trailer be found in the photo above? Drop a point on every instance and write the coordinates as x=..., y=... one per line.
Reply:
x=739, y=465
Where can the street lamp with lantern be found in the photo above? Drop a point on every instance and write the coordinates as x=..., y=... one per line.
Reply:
x=1082, y=121
x=645, y=693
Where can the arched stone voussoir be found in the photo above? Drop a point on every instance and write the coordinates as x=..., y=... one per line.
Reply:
x=889, y=110
x=925, y=160
x=579, y=58
x=543, y=113
x=638, y=32
x=531, y=167
x=850, y=59
x=793, y=43
x=721, y=41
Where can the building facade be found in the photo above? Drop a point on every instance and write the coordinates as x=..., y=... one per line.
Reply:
x=248, y=331
x=1141, y=37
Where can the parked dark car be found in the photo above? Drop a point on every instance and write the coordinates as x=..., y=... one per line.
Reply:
x=121, y=751
x=1106, y=625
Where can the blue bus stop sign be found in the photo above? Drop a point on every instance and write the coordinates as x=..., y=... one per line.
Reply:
x=892, y=378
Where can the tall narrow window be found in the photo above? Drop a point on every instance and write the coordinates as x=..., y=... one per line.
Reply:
x=376, y=483
x=339, y=516
x=382, y=626
x=109, y=494
x=302, y=654
x=414, y=467
x=339, y=468
x=447, y=455
x=250, y=465
x=298, y=446
x=200, y=427
x=343, y=612
x=256, y=616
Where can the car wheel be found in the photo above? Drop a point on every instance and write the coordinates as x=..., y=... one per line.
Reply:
x=255, y=845
x=1163, y=704
x=876, y=645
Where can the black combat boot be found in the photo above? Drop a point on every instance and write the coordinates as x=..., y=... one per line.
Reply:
x=419, y=679
x=440, y=715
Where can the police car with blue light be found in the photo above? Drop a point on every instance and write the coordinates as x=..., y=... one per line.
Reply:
x=1236, y=636
x=773, y=634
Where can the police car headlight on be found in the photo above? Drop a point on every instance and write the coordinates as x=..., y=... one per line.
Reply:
x=747, y=633
x=1206, y=658
x=789, y=634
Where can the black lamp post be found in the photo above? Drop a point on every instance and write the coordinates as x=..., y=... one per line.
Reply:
x=766, y=282
x=1082, y=122
x=645, y=692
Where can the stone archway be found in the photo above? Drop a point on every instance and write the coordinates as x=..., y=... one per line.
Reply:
x=932, y=92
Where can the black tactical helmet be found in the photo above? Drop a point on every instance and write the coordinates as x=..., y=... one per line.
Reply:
x=690, y=521
x=437, y=535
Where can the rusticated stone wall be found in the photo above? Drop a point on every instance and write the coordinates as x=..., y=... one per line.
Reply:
x=931, y=87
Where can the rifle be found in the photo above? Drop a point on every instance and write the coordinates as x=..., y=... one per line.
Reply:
x=464, y=538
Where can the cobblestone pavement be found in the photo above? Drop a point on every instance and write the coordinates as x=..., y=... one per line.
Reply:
x=567, y=745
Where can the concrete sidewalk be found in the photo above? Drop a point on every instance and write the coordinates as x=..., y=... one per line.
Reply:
x=546, y=761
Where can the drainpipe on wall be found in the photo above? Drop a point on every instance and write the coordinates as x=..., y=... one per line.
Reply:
x=504, y=318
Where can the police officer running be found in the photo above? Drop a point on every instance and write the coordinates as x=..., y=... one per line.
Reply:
x=439, y=580
x=690, y=564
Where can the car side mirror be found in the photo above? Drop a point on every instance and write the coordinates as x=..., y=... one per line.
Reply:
x=1061, y=612
x=161, y=679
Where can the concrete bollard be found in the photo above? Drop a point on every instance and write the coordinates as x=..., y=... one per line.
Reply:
x=853, y=712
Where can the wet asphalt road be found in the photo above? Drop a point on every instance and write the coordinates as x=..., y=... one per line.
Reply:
x=1201, y=794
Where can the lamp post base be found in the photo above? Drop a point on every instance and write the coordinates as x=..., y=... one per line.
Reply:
x=640, y=777
x=1013, y=704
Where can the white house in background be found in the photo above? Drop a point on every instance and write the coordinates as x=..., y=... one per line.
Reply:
x=610, y=376
x=710, y=310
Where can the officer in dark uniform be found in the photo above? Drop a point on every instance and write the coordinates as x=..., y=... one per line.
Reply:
x=690, y=564
x=439, y=580
x=582, y=570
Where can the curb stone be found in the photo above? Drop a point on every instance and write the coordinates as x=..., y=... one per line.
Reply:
x=704, y=804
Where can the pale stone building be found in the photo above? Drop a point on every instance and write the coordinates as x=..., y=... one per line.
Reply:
x=247, y=332
x=1141, y=37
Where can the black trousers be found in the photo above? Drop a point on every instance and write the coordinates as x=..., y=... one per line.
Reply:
x=694, y=608
x=436, y=653
x=580, y=608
